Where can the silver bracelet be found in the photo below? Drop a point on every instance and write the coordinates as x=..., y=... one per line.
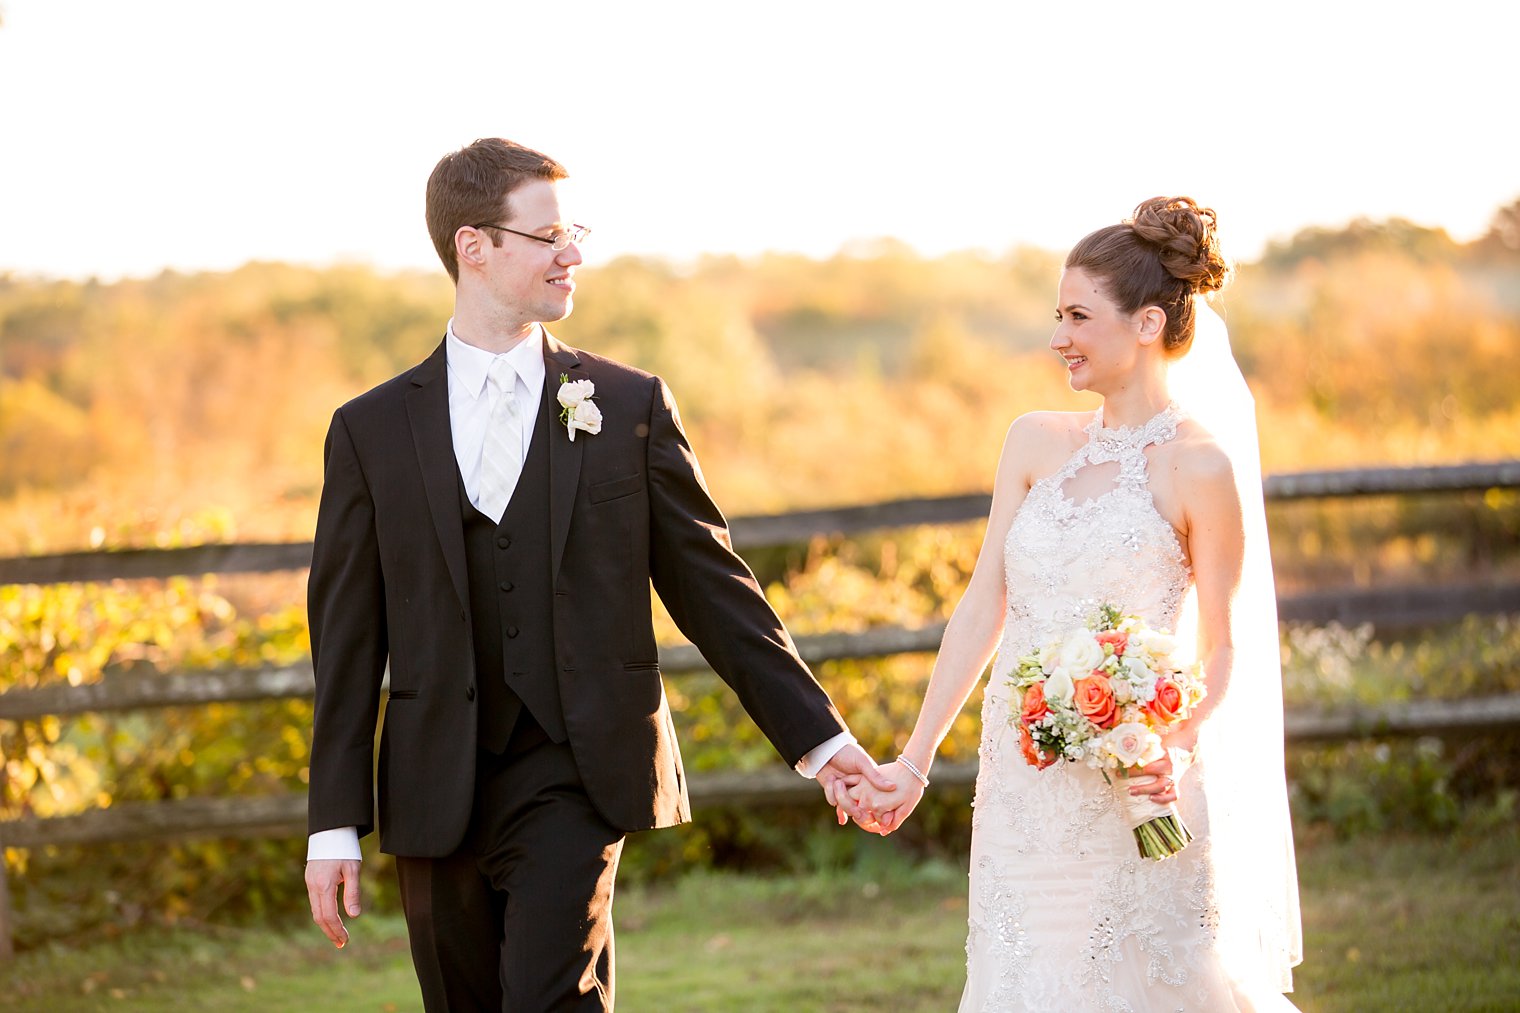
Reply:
x=907, y=763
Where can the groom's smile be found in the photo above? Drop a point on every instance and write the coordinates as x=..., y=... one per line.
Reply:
x=533, y=281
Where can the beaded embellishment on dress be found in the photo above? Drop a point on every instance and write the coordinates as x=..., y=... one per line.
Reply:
x=1063, y=913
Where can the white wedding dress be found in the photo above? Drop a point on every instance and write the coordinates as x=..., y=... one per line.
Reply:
x=1064, y=915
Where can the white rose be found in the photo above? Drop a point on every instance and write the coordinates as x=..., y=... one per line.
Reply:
x=1132, y=744
x=1058, y=687
x=1080, y=652
x=585, y=415
x=1156, y=643
x=1140, y=676
x=1048, y=657
x=575, y=392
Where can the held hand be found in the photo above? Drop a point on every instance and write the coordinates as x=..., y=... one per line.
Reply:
x=888, y=810
x=844, y=789
x=854, y=788
x=323, y=877
x=847, y=769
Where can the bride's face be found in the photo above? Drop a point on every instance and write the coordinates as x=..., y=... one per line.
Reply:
x=1101, y=345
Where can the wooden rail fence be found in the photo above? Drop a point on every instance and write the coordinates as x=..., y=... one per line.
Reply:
x=286, y=814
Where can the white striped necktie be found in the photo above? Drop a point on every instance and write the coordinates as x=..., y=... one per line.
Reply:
x=501, y=455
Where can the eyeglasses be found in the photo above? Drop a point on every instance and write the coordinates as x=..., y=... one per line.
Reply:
x=558, y=241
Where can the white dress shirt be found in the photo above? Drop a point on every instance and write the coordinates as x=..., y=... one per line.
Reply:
x=471, y=399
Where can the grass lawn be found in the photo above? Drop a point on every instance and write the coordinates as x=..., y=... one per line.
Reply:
x=1416, y=923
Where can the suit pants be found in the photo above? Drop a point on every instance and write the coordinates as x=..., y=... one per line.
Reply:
x=519, y=919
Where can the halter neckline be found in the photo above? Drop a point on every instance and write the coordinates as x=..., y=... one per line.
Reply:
x=1157, y=429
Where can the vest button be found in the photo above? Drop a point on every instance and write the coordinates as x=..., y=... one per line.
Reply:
x=469, y=692
x=503, y=542
x=511, y=631
x=507, y=585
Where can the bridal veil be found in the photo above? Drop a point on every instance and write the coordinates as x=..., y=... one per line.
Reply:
x=1260, y=934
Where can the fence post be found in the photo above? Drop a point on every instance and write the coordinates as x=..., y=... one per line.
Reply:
x=6, y=949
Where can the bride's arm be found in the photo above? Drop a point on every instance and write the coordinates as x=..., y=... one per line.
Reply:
x=1216, y=546
x=972, y=633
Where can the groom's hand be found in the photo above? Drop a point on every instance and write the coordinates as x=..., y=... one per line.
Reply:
x=836, y=778
x=323, y=876
x=887, y=811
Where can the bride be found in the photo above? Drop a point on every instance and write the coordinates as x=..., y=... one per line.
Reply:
x=1152, y=503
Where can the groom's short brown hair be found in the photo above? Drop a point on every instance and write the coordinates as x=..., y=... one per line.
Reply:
x=471, y=186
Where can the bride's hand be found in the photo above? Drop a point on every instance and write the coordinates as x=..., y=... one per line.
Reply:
x=888, y=810
x=1165, y=772
x=860, y=792
x=1161, y=784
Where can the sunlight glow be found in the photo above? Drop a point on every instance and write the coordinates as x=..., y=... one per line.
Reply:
x=195, y=135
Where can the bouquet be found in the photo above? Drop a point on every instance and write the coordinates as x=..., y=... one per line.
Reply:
x=1104, y=694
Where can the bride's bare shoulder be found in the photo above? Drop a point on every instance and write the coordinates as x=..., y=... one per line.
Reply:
x=1197, y=457
x=1061, y=428
x=1038, y=442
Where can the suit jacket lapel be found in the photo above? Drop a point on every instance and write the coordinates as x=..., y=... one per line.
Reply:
x=427, y=407
x=564, y=454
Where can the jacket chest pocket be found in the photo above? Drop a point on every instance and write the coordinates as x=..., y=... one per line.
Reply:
x=616, y=488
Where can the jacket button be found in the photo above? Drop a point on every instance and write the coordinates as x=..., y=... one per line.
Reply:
x=503, y=542
x=469, y=692
x=506, y=585
x=511, y=631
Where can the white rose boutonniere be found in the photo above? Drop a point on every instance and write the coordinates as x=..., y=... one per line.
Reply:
x=576, y=408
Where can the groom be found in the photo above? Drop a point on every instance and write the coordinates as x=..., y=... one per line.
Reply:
x=490, y=525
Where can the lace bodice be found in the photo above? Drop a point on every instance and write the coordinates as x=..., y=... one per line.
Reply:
x=1064, y=556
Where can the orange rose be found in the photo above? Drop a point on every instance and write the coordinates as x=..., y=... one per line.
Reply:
x=1032, y=753
x=1119, y=641
x=1035, y=706
x=1095, y=699
x=1170, y=706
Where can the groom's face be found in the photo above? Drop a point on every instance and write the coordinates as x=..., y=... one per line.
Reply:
x=535, y=281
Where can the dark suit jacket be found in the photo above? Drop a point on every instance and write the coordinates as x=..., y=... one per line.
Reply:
x=628, y=506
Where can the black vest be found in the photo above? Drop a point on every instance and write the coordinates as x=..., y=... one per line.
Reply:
x=512, y=600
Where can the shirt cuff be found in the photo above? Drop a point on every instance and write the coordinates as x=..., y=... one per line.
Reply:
x=341, y=843
x=819, y=756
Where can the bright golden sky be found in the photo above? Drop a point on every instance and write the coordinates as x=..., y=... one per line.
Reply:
x=199, y=134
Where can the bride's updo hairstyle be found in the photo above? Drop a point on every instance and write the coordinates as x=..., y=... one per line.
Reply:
x=1163, y=256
